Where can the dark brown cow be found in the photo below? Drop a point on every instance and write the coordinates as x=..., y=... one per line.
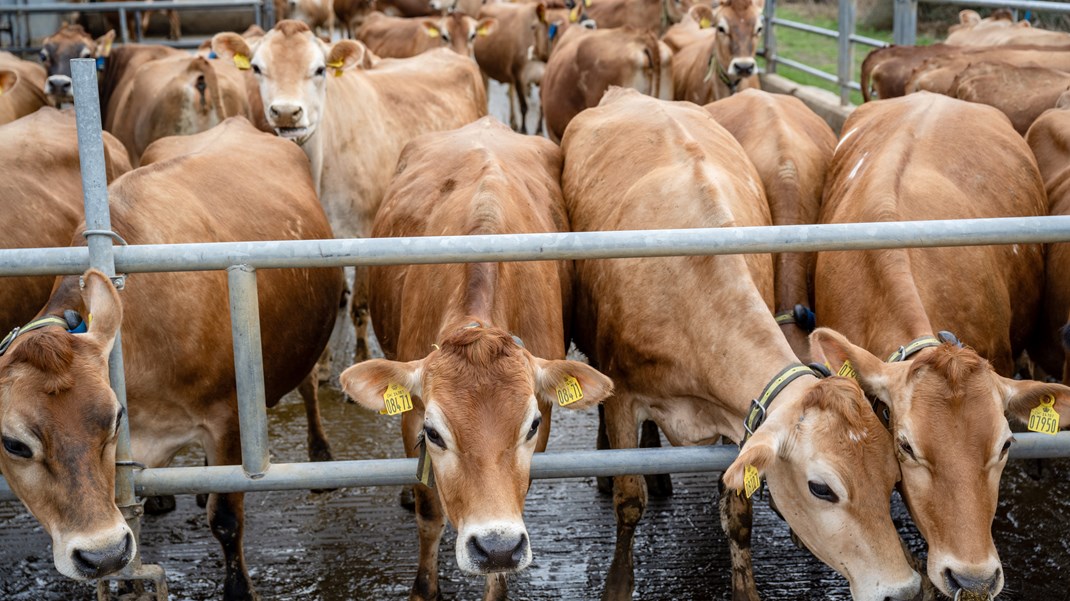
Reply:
x=639, y=163
x=479, y=346
x=1021, y=93
x=902, y=160
x=791, y=148
x=59, y=415
x=587, y=62
x=885, y=71
x=721, y=61
x=398, y=37
x=57, y=50
x=41, y=198
x=515, y=53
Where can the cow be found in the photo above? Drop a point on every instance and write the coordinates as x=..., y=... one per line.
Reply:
x=515, y=52
x=405, y=8
x=468, y=7
x=938, y=73
x=1049, y=139
x=480, y=347
x=650, y=15
x=41, y=198
x=119, y=68
x=791, y=147
x=20, y=90
x=32, y=72
x=587, y=62
x=353, y=122
x=999, y=29
x=60, y=417
x=689, y=29
x=398, y=37
x=901, y=160
x=317, y=14
x=669, y=165
x=172, y=96
x=57, y=50
x=1021, y=93
x=885, y=71
x=721, y=62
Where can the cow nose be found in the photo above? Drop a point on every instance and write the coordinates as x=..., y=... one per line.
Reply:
x=972, y=584
x=498, y=552
x=744, y=68
x=94, y=563
x=286, y=114
x=58, y=85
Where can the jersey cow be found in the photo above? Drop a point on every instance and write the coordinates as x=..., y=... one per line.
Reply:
x=515, y=52
x=57, y=50
x=21, y=87
x=898, y=161
x=649, y=15
x=351, y=120
x=1000, y=29
x=397, y=37
x=59, y=414
x=826, y=457
x=791, y=148
x=721, y=61
x=938, y=73
x=1021, y=93
x=481, y=399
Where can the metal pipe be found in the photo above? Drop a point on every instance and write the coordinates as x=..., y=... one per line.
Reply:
x=828, y=33
x=846, y=56
x=905, y=23
x=248, y=369
x=122, y=26
x=769, y=37
x=867, y=41
x=794, y=64
x=100, y=7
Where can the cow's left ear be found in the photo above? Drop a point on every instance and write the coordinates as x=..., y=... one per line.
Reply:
x=104, y=309
x=760, y=452
x=104, y=43
x=759, y=4
x=231, y=46
x=540, y=12
x=367, y=381
x=1021, y=397
x=431, y=27
x=569, y=383
x=486, y=26
x=345, y=55
x=8, y=79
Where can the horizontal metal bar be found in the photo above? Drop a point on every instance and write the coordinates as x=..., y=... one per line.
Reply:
x=867, y=41
x=397, y=472
x=542, y=247
x=1055, y=7
x=100, y=7
x=829, y=33
x=787, y=62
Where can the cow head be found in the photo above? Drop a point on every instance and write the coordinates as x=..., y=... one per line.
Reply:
x=831, y=470
x=59, y=420
x=483, y=400
x=947, y=410
x=57, y=50
x=739, y=24
x=292, y=67
x=458, y=31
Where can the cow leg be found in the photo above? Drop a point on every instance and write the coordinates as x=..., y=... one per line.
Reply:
x=175, y=25
x=736, y=520
x=431, y=523
x=359, y=313
x=605, y=484
x=319, y=448
x=629, y=499
x=513, y=93
x=522, y=101
x=497, y=589
x=658, y=486
x=226, y=515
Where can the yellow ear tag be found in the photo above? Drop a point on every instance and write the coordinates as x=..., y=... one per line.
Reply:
x=107, y=49
x=242, y=62
x=1044, y=418
x=397, y=400
x=587, y=3
x=751, y=480
x=569, y=391
x=337, y=66
x=432, y=32
x=574, y=14
x=483, y=30
x=847, y=370
x=704, y=23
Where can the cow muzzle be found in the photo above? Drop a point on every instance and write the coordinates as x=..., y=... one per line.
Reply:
x=742, y=67
x=492, y=548
x=290, y=121
x=59, y=88
x=90, y=557
x=967, y=585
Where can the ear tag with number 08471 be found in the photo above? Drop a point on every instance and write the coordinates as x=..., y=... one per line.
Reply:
x=569, y=391
x=396, y=400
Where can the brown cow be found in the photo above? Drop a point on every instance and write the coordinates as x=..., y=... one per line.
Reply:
x=175, y=96
x=938, y=73
x=902, y=160
x=119, y=67
x=31, y=71
x=885, y=71
x=482, y=399
x=999, y=29
x=1021, y=93
x=317, y=14
x=689, y=29
x=515, y=52
x=587, y=62
x=352, y=121
x=1049, y=138
x=791, y=148
x=398, y=37
x=19, y=96
x=721, y=62
x=41, y=198
x=57, y=50
x=652, y=15
x=59, y=415
x=669, y=165
x=405, y=8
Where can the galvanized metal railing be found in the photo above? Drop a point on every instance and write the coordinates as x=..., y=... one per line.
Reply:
x=906, y=13
x=242, y=259
x=845, y=36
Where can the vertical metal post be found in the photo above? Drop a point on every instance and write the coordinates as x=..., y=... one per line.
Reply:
x=846, y=54
x=258, y=14
x=139, y=34
x=248, y=369
x=905, y=25
x=770, y=37
x=269, y=8
x=122, y=26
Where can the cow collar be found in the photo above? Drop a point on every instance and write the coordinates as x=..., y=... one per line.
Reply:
x=800, y=315
x=722, y=75
x=760, y=405
x=72, y=323
x=905, y=352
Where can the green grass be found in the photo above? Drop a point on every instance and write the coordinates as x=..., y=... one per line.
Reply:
x=818, y=51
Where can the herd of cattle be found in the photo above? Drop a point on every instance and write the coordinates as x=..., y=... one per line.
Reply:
x=289, y=136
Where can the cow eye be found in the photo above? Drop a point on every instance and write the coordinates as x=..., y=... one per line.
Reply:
x=1006, y=449
x=119, y=419
x=722, y=29
x=434, y=437
x=320, y=72
x=907, y=450
x=256, y=70
x=17, y=448
x=44, y=56
x=534, y=427
x=823, y=492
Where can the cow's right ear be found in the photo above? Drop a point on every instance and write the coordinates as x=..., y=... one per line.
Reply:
x=431, y=28
x=367, y=381
x=345, y=55
x=876, y=377
x=969, y=17
x=104, y=309
x=231, y=46
x=8, y=79
x=760, y=452
x=569, y=383
x=702, y=14
x=104, y=43
x=540, y=12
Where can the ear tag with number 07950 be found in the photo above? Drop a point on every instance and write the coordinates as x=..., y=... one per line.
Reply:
x=1044, y=418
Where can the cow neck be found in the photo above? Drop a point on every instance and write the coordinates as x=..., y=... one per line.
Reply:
x=903, y=318
x=351, y=90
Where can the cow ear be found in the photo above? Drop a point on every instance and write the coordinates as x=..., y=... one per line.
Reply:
x=702, y=14
x=103, y=44
x=969, y=17
x=876, y=377
x=431, y=27
x=760, y=452
x=1021, y=397
x=345, y=55
x=367, y=381
x=540, y=12
x=104, y=308
x=486, y=26
x=569, y=384
x=759, y=5
x=231, y=46
x=8, y=79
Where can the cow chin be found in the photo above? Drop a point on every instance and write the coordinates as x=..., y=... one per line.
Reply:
x=493, y=547
x=88, y=557
x=299, y=135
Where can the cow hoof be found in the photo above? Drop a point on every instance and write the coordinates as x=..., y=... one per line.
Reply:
x=407, y=498
x=659, y=486
x=159, y=505
x=605, y=485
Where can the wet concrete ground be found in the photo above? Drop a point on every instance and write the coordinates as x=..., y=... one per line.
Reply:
x=359, y=544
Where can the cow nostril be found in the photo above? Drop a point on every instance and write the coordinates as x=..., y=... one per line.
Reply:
x=497, y=551
x=96, y=563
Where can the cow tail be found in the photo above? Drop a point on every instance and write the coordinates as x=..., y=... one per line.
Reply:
x=207, y=86
x=867, y=69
